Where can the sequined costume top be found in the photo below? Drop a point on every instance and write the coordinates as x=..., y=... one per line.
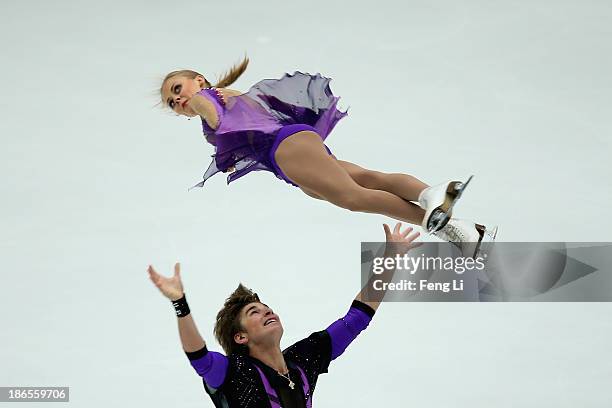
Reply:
x=243, y=381
x=248, y=123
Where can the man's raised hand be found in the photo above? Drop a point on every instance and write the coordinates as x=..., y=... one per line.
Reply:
x=172, y=287
x=398, y=241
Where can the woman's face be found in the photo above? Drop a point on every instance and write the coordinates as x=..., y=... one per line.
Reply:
x=178, y=90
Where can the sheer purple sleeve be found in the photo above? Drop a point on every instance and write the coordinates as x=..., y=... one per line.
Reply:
x=343, y=331
x=210, y=365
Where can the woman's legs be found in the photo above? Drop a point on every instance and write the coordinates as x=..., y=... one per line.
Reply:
x=402, y=185
x=304, y=160
x=311, y=193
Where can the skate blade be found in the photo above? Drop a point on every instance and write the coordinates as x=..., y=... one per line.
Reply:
x=455, y=191
x=440, y=216
x=492, y=233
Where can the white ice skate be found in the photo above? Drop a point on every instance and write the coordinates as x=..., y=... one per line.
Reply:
x=438, y=202
x=473, y=240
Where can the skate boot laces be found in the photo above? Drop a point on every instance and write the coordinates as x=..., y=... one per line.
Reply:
x=451, y=233
x=463, y=235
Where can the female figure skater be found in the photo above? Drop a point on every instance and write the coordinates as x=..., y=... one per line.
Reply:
x=255, y=372
x=280, y=126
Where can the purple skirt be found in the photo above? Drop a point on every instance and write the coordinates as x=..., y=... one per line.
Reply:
x=252, y=125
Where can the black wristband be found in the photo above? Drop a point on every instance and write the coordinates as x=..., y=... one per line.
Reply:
x=181, y=307
x=364, y=307
x=195, y=355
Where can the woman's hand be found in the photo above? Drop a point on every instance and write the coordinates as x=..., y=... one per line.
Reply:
x=399, y=242
x=172, y=287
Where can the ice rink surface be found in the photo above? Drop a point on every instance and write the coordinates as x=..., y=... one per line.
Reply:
x=95, y=179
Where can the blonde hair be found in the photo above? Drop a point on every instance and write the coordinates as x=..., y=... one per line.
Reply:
x=226, y=79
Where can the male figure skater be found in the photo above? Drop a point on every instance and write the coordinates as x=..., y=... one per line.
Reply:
x=255, y=372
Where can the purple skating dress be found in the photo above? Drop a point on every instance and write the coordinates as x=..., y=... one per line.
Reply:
x=252, y=125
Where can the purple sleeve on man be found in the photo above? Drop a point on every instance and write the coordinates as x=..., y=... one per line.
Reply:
x=210, y=365
x=343, y=331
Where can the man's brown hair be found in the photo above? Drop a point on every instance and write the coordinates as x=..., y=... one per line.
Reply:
x=228, y=319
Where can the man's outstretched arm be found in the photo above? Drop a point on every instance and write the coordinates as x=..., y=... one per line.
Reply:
x=343, y=331
x=210, y=365
x=398, y=242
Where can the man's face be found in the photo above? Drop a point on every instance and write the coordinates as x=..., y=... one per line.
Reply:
x=261, y=326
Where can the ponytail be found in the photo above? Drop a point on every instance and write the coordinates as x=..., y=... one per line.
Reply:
x=233, y=74
x=229, y=78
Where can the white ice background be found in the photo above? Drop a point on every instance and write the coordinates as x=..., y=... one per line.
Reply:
x=95, y=177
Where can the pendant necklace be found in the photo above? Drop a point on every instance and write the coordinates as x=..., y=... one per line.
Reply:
x=288, y=378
